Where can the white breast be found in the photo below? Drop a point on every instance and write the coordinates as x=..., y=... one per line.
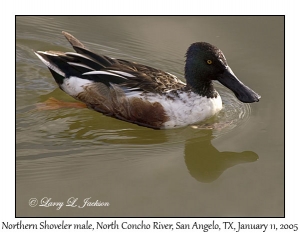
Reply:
x=187, y=108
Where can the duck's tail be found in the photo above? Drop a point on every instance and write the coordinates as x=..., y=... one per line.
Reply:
x=64, y=65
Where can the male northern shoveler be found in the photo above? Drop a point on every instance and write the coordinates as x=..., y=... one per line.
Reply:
x=144, y=95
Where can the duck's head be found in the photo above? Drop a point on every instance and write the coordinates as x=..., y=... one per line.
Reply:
x=204, y=63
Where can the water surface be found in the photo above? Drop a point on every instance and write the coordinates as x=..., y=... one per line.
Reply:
x=230, y=165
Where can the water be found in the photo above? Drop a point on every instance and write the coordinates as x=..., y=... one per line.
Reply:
x=229, y=165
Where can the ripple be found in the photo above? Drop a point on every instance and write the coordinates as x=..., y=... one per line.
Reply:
x=233, y=114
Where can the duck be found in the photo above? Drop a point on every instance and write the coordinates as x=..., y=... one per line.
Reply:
x=144, y=95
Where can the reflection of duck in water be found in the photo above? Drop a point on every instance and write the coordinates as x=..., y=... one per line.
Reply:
x=144, y=95
x=206, y=164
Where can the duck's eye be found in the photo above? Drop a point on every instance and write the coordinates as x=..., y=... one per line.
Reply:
x=209, y=62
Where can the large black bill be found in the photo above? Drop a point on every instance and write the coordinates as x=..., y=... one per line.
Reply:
x=241, y=91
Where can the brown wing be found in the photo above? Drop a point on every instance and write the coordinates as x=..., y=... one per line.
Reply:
x=141, y=77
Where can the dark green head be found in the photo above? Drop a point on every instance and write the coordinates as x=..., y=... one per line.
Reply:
x=204, y=63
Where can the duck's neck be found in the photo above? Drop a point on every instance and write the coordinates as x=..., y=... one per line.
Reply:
x=196, y=81
x=203, y=89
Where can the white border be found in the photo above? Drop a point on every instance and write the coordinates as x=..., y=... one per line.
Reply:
x=172, y=7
